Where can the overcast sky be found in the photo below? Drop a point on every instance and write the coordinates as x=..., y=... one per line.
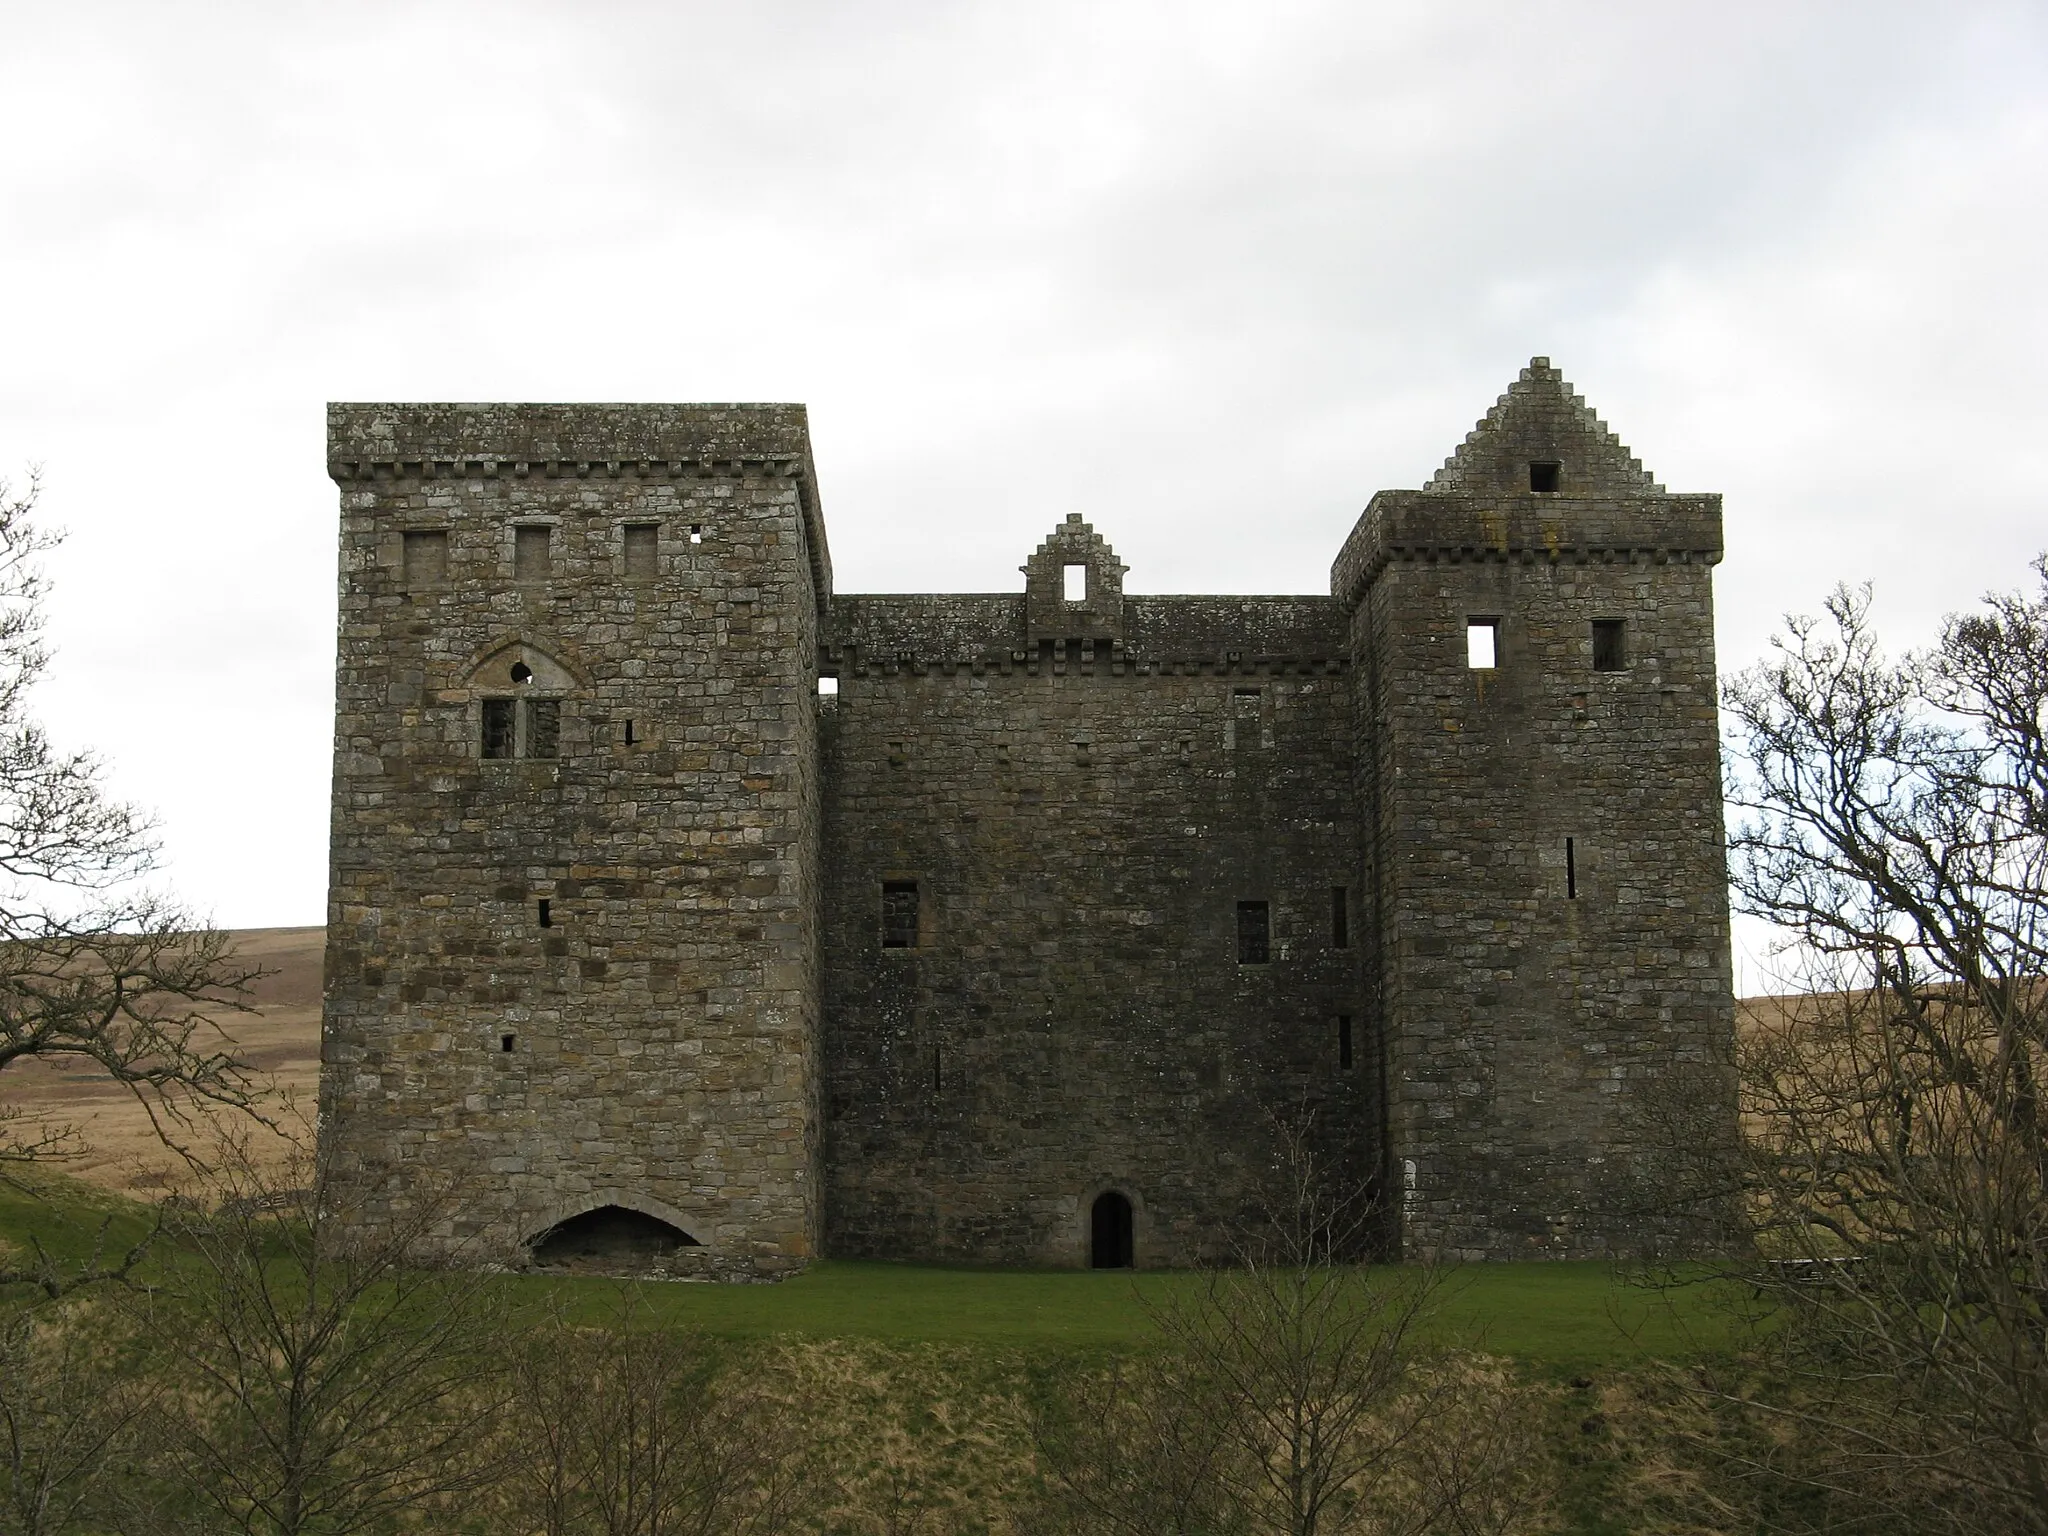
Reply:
x=1207, y=274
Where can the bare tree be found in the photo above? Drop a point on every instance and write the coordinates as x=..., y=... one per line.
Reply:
x=328, y=1382
x=1133, y=1449
x=1897, y=829
x=630, y=1429
x=1310, y=1362
x=94, y=966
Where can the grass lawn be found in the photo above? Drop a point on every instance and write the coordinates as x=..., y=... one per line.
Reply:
x=1549, y=1316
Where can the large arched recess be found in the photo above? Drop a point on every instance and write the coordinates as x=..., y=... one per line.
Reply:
x=612, y=1230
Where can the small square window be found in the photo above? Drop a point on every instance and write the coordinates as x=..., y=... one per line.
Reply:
x=1482, y=644
x=531, y=558
x=643, y=541
x=1546, y=477
x=1254, y=933
x=1610, y=645
x=426, y=558
x=899, y=914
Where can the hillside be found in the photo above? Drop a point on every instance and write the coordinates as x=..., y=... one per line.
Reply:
x=280, y=1037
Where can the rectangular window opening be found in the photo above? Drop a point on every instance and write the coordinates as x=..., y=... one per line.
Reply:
x=530, y=555
x=1546, y=476
x=498, y=718
x=1344, y=1041
x=696, y=533
x=426, y=558
x=1571, y=870
x=546, y=912
x=828, y=687
x=506, y=1042
x=643, y=543
x=1610, y=645
x=899, y=914
x=629, y=730
x=1077, y=583
x=543, y=727
x=1254, y=933
x=1340, y=918
x=1482, y=644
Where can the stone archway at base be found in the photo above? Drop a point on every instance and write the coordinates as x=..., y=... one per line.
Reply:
x=610, y=1237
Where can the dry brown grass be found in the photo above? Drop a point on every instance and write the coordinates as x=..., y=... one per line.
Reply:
x=119, y=1149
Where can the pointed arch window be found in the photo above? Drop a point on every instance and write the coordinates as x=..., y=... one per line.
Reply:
x=519, y=692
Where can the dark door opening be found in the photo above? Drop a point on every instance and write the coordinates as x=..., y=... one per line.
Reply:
x=1109, y=1244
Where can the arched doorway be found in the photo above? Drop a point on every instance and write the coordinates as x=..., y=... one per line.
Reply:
x=1109, y=1232
x=609, y=1238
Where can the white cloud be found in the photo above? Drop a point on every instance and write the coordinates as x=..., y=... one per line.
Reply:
x=1208, y=274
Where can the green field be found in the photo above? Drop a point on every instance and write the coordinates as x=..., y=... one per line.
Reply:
x=1545, y=1315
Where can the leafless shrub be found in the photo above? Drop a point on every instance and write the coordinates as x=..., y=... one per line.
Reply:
x=1294, y=1393
x=629, y=1429
x=318, y=1378
x=71, y=1403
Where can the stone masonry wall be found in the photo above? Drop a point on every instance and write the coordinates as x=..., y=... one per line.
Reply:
x=626, y=912
x=652, y=1042
x=1554, y=949
x=1080, y=822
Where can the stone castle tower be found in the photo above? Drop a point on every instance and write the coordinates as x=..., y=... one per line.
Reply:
x=680, y=902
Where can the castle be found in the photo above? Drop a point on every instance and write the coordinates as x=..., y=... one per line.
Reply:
x=685, y=902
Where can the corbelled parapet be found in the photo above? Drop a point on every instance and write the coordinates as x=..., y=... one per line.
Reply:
x=1450, y=525
x=449, y=440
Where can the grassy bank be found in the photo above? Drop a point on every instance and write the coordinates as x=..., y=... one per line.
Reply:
x=1550, y=1316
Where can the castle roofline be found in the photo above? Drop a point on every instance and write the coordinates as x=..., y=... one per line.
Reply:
x=461, y=440
x=1439, y=525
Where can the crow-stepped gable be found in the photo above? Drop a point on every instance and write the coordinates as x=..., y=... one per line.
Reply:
x=681, y=906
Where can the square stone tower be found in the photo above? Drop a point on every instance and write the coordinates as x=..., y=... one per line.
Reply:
x=572, y=956
x=1535, y=703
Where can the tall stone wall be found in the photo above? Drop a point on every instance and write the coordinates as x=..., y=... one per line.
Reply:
x=1081, y=795
x=1554, y=945
x=582, y=971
